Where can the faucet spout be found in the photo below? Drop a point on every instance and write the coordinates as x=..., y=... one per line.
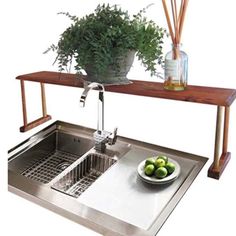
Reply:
x=83, y=97
x=100, y=87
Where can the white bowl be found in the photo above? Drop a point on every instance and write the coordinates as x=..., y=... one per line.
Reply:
x=153, y=179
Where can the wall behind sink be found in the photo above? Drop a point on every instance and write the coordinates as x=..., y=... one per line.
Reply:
x=29, y=27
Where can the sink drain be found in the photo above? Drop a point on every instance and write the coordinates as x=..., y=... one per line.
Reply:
x=63, y=165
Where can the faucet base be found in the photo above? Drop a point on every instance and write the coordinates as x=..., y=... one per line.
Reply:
x=100, y=147
x=100, y=138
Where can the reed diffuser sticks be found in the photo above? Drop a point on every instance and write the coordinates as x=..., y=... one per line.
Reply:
x=178, y=16
x=176, y=61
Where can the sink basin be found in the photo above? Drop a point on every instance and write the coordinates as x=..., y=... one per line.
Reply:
x=77, y=180
x=59, y=169
x=49, y=153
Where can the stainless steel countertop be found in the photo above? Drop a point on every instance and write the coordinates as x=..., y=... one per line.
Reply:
x=118, y=203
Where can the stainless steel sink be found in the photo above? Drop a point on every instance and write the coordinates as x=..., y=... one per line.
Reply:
x=59, y=169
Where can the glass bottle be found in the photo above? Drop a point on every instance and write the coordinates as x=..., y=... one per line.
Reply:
x=176, y=69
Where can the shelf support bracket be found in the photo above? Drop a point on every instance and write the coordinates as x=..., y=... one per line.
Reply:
x=27, y=126
x=220, y=160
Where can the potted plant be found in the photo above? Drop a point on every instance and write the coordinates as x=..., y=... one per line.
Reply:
x=105, y=42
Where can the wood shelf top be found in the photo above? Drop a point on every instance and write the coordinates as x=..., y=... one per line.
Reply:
x=198, y=94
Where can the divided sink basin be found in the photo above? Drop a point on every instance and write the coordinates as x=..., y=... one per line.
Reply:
x=59, y=169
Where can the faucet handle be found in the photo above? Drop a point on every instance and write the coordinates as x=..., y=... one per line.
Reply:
x=113, y=137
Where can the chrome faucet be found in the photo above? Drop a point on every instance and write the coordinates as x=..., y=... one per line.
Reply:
x=101, y=137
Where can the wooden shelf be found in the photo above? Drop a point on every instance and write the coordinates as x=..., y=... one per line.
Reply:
x=221, y=97
x=198, y=94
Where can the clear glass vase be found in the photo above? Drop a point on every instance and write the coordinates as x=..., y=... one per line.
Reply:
x=176, y=69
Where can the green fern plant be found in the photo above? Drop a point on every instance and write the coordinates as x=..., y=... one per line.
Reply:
x=104, y=36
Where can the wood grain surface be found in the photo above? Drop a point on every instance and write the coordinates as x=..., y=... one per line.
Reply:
x=198, y=94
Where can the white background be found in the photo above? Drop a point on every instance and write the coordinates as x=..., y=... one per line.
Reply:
x=29, y=27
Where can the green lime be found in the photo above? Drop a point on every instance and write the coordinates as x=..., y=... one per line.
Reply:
x=149, y=169
x=161, y=172
x=170, y=167
x=149, y=161
x=159, y=163
x=165, y=158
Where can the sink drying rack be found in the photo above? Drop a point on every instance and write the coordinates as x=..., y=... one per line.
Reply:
x=220, y=97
